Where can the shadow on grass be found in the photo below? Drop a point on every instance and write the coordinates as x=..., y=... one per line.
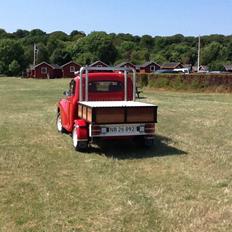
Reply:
x=130, y=150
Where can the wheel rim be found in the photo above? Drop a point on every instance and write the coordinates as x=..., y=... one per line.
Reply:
x=75, y=140
x=59, y=123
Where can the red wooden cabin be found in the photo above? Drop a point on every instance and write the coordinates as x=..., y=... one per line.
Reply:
x=45, y=71
x=149, y=67
x=126, y=65
x=70, y=68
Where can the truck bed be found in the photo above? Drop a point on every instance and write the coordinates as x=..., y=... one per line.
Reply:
x=106, y=112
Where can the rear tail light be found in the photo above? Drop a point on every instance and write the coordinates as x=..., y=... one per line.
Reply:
x=150, y=128
x=96, y=130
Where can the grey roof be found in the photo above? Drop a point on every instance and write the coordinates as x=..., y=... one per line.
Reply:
x=170, y=65
x=148, y=63
x=54, y=66
x=228, y=67
x=98, y=61
x=70, y=63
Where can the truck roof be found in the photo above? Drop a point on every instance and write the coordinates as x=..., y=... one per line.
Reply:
x=96, y=75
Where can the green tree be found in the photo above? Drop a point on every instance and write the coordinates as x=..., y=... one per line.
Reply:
x=11, y=50
x=211, y=53
x=60, y=56
x=147, y=42
x=14, y=68
x=98, y=44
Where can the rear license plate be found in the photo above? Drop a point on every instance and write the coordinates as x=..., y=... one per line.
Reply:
x=127, y=129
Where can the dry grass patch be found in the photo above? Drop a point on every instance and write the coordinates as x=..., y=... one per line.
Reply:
x=182, y=184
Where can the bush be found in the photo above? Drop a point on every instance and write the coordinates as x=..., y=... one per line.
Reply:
x=159, y=82
x=143, y=80
x=212, y=82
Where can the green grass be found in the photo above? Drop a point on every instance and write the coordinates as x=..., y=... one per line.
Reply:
x=182, y=184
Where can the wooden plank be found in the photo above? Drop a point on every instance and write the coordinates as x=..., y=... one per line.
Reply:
x=89, y=114
x=80, y=111
x=84, y=112
x=140, y=114
x=110, y=115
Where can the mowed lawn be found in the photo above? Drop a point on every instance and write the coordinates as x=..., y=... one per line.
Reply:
x=184, y=183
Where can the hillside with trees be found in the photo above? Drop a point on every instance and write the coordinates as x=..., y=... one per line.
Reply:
x=16, y=49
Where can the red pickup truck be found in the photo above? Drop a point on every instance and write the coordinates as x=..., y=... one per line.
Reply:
x=100, y=105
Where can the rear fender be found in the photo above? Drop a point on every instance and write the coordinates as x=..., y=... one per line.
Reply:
x=82, y=129
x=62, y=109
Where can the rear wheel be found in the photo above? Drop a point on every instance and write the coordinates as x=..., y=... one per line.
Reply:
x=79, y=145
x=59, y=126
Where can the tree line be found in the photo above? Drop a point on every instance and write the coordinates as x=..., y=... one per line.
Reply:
x=16, y=49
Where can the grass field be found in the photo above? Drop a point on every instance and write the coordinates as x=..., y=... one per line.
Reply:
x=184, y=183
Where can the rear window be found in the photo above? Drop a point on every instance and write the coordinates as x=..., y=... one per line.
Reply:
x=105, y=86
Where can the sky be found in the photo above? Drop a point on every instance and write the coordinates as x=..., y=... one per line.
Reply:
x=137, y=17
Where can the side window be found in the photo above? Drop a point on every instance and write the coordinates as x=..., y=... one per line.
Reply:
x=72, y=86
x=152, y=68
x=72, y=69
x=44, y=70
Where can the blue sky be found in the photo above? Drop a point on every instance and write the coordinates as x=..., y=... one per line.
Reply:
x=138, y=17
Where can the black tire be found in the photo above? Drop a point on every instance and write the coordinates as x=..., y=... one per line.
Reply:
x=59, y=126
x=77, y=144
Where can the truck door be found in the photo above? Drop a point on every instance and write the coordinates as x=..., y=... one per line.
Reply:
x=68, y=107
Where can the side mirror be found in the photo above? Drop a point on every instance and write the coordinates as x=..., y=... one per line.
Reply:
x=66, y=93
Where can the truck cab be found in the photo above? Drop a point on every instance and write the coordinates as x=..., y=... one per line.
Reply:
x=100, y=104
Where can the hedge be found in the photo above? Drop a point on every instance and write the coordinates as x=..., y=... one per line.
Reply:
x=214, y=82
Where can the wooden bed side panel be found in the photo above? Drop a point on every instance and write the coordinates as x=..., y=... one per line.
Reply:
x=89, y=114
x=79, y=111
x=141, y=114
x=84, y=112
x=110, y=115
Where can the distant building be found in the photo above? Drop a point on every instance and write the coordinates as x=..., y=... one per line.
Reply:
x=99, y=64
x=126, y=65
x=228, y=67
x=149, y=67
x=44, y=71
x=171, y=66
x=69, y=69
x=202, y=68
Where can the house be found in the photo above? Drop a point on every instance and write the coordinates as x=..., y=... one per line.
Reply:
x=228, y=67
x=125, y=65
x=171, y=66
x=44, y=71
x=149, y=67
x=69, y=69
x=98, y=63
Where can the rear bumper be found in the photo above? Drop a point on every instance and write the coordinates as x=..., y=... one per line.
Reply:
x=122, y=130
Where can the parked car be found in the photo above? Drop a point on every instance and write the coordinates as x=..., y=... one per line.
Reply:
x=166, y=71
x=182, y=70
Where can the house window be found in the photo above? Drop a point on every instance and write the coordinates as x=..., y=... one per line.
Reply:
x=72, y=68
x=44, y=70
x=152, y=68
